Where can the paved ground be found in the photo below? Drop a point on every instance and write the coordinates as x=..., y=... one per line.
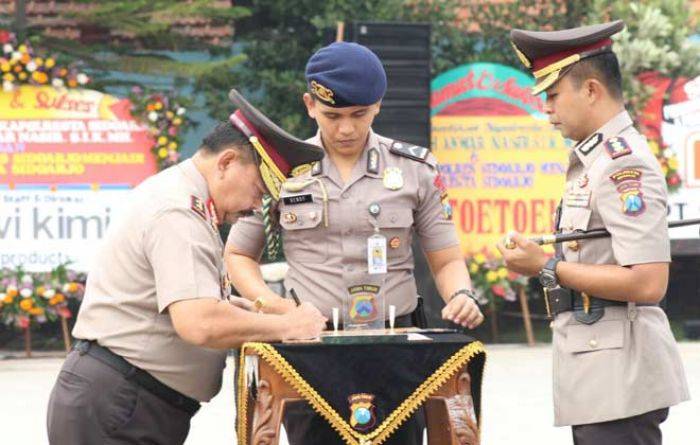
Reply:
x=517, y=401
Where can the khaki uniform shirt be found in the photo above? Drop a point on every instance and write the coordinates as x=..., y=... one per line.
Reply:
x=628, y=362
x=323, y=259
x=165, y=249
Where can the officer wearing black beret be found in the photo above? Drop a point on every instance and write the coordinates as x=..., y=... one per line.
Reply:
x=356, y=211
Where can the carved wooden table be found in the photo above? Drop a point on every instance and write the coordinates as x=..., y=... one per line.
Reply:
x=267, y=383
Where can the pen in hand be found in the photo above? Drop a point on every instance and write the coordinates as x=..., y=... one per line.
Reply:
x=293, y=293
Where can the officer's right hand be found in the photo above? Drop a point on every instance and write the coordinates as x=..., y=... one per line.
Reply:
x=304, y=322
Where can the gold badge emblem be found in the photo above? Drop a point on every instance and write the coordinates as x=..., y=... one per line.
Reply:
x=290, y=217
x=323, y=93
x=393, y=178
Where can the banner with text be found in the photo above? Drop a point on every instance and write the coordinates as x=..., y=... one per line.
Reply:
x=68, y=157
x=502, y=162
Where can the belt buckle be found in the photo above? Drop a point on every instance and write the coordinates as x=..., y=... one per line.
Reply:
x=546, y=303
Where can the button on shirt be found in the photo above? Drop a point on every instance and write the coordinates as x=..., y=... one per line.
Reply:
x=323, y=260
x=164, y=249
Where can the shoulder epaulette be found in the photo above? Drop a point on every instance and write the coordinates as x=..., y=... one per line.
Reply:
x=415, y=152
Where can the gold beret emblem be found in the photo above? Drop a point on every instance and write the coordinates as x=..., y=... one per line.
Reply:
x=323, y=93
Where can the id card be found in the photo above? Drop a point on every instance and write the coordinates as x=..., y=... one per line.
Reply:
x=376, y=254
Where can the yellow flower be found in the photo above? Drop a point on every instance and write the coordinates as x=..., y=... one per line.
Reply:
x=491, y=276
x=50, y=63
x=654, y=147
x=157, y=105
x=8, y=77
x=673, y=163
x=4, y=67
x=12, y=292
x=473, y=268
x=172, y=145
x=22, y=76
x=40, y=77
x=39, y=61
x=480, y=258
x=9, y=298
x=162, y=140
x=72, y=287
x=40, y=290
x=22, y=48
x=177, y=121
x=169, y=114
x=36, y=311
x=502, y=273
x=162, y=153
x=26, y=304
x=664, y=169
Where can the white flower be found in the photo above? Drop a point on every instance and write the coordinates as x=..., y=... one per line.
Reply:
x=152, y=116
x=31, y=66
x=2, y=295
x=27, y=279
x=7, y=48
x=668, y=153
x=7, y=85
x=16, y=55
x=82, y=78
x=49, y=293
x=41, y=319
x=58, y=83
x=66, y=288
x=180, y=111
x=26, y=293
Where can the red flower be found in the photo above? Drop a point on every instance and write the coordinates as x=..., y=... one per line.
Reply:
x=5, y=36
x=64, y=312
x=23, y=322
x=674, y=179
x=498, y=290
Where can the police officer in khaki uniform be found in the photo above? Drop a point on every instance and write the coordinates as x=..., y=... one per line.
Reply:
x=366, y=185
x=617, y=368
x=157, y=320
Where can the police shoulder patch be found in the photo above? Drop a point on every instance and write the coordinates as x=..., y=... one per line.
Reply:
x=414, y=152
x=198, y=207
x=617, y=147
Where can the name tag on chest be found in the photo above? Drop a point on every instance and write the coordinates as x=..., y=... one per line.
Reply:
x=298, y=199
x=577, y=198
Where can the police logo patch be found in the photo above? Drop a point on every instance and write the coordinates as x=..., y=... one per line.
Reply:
x=198, y=207
x=393, y=178
x=362, y=415
x=629, y=185
x=617, y=147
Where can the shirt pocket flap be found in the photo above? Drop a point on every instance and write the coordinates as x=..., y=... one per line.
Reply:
x=395, y=218
x=574, y=219
x=301, y=217
x=605, y=334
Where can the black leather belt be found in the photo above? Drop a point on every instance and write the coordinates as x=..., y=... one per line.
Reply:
x=141, y=377
x=587, y=309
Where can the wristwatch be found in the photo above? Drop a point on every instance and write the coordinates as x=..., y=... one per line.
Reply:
x=468, y=292
x=548, y=274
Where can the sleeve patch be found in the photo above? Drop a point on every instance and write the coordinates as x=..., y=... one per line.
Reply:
x=446, y=207
x=617, y=147
x=198, y=207
x=409, y=151
x=629, y=184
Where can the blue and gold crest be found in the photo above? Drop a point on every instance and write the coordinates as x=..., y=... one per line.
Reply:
x=617, y=147
x=362, y=416
x=629, y=185
x=363, y=303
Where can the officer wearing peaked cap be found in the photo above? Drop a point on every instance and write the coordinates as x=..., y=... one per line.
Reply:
x=157, y=318
x=366, y=185
x=617, y=368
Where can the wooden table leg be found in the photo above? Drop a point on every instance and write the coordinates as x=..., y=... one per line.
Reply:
x=450, y=417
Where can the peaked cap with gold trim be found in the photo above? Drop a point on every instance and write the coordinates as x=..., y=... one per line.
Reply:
x=277, y=152
x=549, y=54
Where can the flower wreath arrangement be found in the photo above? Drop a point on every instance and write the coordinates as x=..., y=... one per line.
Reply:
x=492, y=282
x=162, y=112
